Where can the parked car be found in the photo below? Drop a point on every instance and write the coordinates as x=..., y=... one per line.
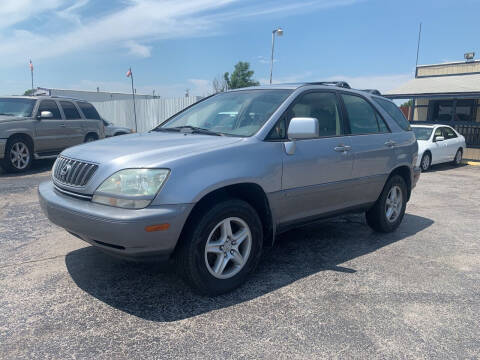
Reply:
x=438, y=144
x=112, y=130
x=40, y=127
x=210, y=192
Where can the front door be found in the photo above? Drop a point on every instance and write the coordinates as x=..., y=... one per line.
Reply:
x=316, y=175
x=439, y=148
x=50, y=133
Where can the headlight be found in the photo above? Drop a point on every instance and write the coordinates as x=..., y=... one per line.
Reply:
x=131, y=188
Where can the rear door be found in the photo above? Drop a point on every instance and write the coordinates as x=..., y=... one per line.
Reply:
x=50, y=133
x=316, y=176
x=451, y=139
x=373, y=148
x=74, y=123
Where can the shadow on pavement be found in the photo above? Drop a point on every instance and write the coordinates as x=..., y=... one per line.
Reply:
x=445, y=167
x=155, y=293
x=38, y=166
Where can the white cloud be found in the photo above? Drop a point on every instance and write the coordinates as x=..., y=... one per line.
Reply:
x=138, y=21
x=137, y=49
x=15, y=11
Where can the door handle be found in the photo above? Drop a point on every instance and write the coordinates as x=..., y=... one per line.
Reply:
x=390, y=143
x=342, y=148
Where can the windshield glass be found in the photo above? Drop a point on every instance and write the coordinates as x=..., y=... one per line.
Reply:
x=422, y=133
x=16, y=107
x=238, y=113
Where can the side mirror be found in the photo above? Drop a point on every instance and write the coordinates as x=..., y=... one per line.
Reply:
x=46, y=115
x=439, y=138
x=303, y=128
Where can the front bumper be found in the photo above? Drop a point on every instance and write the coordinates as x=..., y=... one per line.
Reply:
x=3, y=145
x=119, y=231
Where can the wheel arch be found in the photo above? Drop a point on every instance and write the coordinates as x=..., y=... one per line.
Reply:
x=251, y=193
x=24, y=136
x=406, y=173
x=91, y=133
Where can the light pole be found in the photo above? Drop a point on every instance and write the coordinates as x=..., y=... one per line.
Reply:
x=278, y=32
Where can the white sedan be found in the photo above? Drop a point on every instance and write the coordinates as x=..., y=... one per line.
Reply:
x=438, y=144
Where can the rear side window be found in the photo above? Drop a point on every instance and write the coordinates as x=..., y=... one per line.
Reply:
x=362, y=116
x=89, y=111
x=50, y=105
x=449, y=133
x=70, y=111
x=394, y=112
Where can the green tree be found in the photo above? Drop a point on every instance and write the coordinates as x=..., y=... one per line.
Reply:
x=407, y=103
x=28, y=92
x=241, y=76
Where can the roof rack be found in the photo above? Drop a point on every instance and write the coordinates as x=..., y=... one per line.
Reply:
x=342, y=84
x=372, y=91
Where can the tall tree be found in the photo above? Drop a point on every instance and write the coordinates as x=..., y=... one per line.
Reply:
x=241, y=76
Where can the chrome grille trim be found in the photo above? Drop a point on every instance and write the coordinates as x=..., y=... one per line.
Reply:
x=77, y=174
x=72, y=194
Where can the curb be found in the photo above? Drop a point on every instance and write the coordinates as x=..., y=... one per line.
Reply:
x=473, y=163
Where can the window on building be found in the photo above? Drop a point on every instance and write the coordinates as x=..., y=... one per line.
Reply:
x=452, y=110
x=362, y=116
x=465, y=110
x=70, y=111
x=50, y=105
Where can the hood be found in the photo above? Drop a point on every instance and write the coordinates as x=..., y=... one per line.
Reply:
x=6, y=118
x=147, y=149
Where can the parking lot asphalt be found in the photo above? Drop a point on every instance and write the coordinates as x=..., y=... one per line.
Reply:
x=332, y=289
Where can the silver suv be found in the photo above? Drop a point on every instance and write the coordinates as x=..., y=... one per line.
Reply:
x=216, y=182
x=42, y=126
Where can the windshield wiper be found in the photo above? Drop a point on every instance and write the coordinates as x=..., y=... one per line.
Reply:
x=6, y=114
x=193, y=129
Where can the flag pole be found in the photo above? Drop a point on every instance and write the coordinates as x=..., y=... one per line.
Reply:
x=133, y=96
x=31, y=72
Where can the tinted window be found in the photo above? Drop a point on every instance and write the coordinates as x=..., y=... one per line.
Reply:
x=465, y=110
x=16, y=107
x=440, y=110
x=49, y=105
x=438, y=132
x=69, y=110
x=362, y=116
x=89, y=111
x=320, y=105
x=394, y=112
x=449, y=133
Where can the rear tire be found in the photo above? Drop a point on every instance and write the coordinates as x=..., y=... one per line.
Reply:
x=90, y=138
x=18, y=155
x=387, y=213
x=426, y=162
x=457, y=161
x=219, y=268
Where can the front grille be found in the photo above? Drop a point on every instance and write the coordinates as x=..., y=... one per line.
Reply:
x=73, y=172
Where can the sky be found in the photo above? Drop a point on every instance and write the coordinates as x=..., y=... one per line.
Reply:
x=174, y=45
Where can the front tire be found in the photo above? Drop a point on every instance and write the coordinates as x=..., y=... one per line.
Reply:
x=18, y=155
x=90, y=138
x=387, y=213
x=426, y=162
x=221, y=247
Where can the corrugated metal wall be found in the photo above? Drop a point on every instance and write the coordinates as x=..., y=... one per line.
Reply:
x=150, y=112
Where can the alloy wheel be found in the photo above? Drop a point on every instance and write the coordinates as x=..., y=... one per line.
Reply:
x=228, y=248
x=394, y=203
x=19, y=155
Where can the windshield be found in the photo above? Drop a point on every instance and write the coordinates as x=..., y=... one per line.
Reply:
x=16, y=107
x=422, y=133
x=238, y=113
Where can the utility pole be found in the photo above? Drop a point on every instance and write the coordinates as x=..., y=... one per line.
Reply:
x=418, y=47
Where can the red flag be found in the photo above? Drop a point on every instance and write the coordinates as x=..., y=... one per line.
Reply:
x=30, y=65
x=129, y=72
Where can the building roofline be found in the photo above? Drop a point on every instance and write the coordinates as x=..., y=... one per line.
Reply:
x=449, y=63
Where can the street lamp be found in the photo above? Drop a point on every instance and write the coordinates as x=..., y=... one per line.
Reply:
x=279, y=32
